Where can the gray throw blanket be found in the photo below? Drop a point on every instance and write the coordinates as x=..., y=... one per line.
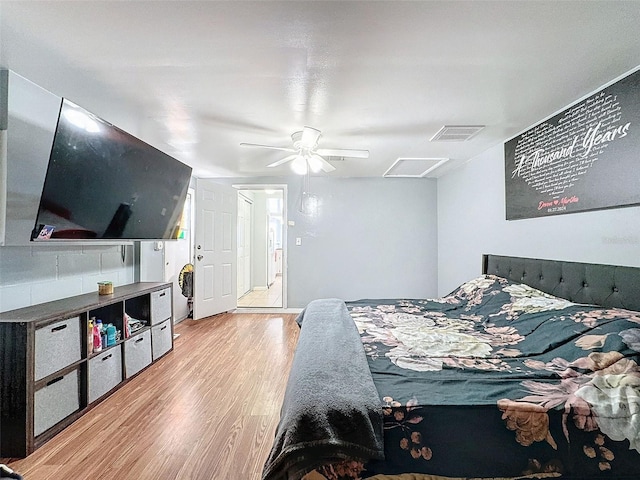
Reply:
x=331, y=409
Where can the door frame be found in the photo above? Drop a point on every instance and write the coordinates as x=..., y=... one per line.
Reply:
x=246, y=234
x=285, y=248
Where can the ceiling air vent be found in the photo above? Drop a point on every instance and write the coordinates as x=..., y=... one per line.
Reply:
x=456, y=133
x=413, y=167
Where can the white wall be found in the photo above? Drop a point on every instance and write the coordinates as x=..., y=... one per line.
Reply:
x=38, y=274
x=371, y=238
x=471, y=221
x=162, y=261
x=151, y=262
x=32, y=275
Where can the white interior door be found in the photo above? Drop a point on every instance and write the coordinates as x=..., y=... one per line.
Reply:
x=215, y=267
x=244, y=245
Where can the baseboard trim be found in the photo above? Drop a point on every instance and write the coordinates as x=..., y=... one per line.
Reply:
x=267, y=310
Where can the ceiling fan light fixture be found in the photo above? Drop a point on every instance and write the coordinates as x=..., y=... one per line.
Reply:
x=306, y=156
x=315, y=163
x=299, y=165
x=309, y=138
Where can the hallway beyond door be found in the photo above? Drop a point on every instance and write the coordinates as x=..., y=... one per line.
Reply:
x=271, y=297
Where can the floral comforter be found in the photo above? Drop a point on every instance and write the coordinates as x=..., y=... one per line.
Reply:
x=501, y=380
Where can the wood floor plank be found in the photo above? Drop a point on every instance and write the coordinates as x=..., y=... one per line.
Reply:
x=206, y=411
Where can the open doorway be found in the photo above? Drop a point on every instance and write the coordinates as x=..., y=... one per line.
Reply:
x=261, y=246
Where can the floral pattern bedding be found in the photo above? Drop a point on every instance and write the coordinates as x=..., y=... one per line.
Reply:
x=498, y=379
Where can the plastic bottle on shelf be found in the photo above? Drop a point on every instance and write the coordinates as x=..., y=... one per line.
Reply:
x=111, y=335
x=90, y=336
x=102, y=333
x=97, y=339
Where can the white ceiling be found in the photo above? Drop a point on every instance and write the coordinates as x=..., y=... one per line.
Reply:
x=196, y=79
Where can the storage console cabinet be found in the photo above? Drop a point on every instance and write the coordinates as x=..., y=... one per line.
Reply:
x=49, y=378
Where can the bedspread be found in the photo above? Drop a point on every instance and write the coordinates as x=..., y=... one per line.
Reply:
x=499, y=380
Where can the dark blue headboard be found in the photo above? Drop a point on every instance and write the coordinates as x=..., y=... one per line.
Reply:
x=605, y=285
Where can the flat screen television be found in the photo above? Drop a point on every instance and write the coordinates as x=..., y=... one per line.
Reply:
x=104, y=184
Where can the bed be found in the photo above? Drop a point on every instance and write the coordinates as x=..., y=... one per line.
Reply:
x=527, y=371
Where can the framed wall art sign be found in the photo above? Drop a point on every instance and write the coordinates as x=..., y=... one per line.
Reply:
x=586, y=157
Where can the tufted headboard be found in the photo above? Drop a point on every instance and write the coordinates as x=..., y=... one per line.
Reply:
x=605, y=285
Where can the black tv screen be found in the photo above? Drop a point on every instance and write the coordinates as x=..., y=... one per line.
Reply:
x=103, y=183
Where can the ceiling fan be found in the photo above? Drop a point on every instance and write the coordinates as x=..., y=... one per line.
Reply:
x=305, y=152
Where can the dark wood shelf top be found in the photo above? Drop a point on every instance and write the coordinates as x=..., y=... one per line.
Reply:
x=68, y=307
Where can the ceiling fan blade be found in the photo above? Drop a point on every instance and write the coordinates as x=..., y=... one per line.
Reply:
x=256, y=145
x=324, y=165
x=284, y=160
x=338, y=152
x=310, y=137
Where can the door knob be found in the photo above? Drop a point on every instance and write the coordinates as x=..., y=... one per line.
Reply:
x=199, y=257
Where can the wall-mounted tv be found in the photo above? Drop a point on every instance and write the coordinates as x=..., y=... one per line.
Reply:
x=104, y=184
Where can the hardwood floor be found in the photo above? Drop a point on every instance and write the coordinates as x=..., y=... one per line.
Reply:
x=207, y=410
